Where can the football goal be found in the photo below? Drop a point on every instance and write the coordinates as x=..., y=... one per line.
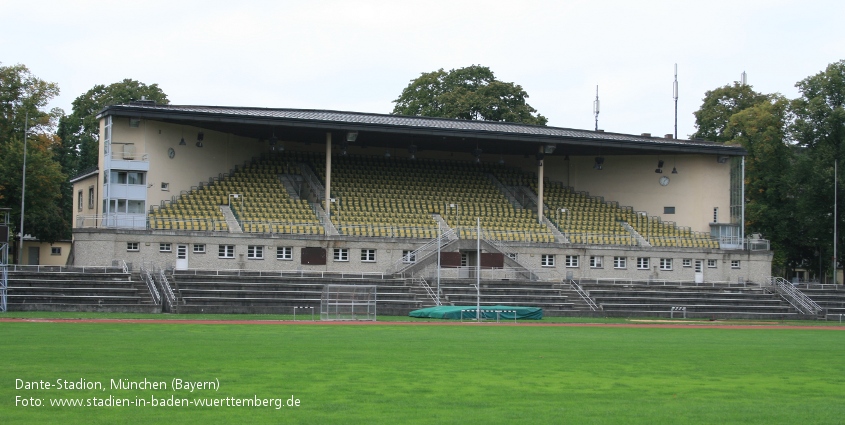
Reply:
x=348, y=302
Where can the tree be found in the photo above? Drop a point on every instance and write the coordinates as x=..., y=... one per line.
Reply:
x=719, y=106
x=471, y=93
x=80, y=130
x=23, y=95
x=819, y=127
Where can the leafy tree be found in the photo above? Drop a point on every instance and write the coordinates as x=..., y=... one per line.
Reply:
x=80, y=130
x=471, y=93
x=22, y=94
x=719, y=105
x=819, y=127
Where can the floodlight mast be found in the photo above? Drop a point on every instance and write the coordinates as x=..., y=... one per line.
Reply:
x=596, y=108
x=478, y=271
x=675, y=95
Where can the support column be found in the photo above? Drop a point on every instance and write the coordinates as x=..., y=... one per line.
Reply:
x=328, y=201
x=540, y=201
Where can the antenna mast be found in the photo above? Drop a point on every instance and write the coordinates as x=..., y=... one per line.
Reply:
x=743, y=79
x=596, y=108
x=675, y=94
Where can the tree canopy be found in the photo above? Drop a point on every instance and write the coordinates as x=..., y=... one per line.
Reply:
x=471, y=93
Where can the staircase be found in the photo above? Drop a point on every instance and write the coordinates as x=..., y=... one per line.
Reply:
x=231, y=221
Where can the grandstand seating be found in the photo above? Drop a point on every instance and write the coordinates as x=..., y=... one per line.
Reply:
x=831, y=299
x=396, y=197
x=105, y=290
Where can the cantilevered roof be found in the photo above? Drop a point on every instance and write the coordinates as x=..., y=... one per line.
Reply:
x=397, y=131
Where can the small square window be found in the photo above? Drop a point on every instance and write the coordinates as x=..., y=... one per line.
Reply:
x=513, y=256
x=668, y=210
x=165, y=187
x=595, y=262
x=711, y=264
x=164, y=247
x=368, y=255
x=341, y=254
x=226, y=251
x=199, y=248
x=284, y=253
x=642, y=263
x=409, y=257
x=665, y=264
x=547, y=260
x=620, y=263
x=255, y=252
x=57, y=250
x=687, y=262
x=734, y=264
x=571, y=261
x=133, y=246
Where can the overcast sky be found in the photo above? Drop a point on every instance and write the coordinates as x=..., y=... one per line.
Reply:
x=359, y=55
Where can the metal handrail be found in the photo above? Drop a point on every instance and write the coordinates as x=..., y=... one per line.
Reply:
x=168, y=291
x=316, y=274
x=4, y=285
x=504, y=249
x=421, y=281
x=422, y=252
x=584, y=295
x=147, y=277
x=796, y=298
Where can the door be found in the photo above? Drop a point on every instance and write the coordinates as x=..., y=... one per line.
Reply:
x=34, y=256
x=699, y=271
x=181, y=257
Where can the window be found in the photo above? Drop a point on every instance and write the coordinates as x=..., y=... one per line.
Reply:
x=687, y=262
x=711, y=264
x=409, y=257
x=79, y=201
x=571, y=261
x=226, y=251
x=90, y=198
x=368, y=255
x=620, y=263
x=668, y=210
x=547, y=260
x=165, y=186
x=595, y=262
x=133, y=246
x=665, y=264
x=512, y=255
x=57, y=250
x=642, y=263
x=341, y=254
x=164, y=247
x=284, y=253
x=734, y=264
x=199, y=248
x=134, y=122
x=255, y=252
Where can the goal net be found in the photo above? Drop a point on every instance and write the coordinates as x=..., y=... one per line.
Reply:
x=348, y=302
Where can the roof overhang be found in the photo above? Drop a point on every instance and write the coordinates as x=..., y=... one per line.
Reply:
x=395, y=131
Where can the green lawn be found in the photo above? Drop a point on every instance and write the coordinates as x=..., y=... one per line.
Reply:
x=434, y=374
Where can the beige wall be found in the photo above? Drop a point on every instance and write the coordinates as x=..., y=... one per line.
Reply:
x=86, y=208
x=45, y=257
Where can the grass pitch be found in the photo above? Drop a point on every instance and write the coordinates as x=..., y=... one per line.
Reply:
x=432, y=374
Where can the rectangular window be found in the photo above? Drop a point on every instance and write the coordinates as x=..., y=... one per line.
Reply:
x=642, y=263
x=368, y=255
x=687, y=262
x=620, y=263
x=57, y=250
x=199, y=248
x=284, y=253
x=668, y=210
x=90, y=198
x=665, y=264
x=255, y=252
x=595, y=262
x=711, y=264
x=734, y=264
x=79, y=201
x=547, y=260
x=341, y=254
x=226, y=251
x=571, y=261
x=164, y=247
x=133, y=246
x=409, y=257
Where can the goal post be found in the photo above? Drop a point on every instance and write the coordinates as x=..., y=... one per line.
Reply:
x=348, y=302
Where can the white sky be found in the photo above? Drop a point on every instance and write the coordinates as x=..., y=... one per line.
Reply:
x=359, y=55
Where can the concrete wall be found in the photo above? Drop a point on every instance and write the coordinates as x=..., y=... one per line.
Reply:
x=93, y=247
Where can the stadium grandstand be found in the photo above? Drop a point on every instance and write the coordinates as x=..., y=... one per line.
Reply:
x=234, y=209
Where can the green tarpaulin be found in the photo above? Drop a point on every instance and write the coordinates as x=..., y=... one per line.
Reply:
x=488, y=312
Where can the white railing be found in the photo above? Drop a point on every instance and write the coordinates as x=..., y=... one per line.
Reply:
x=423, y=252
x=384, y=231
x=504, y=273
x=168, y=291
x=123, y=155
x=4, y=285
x=509, y=236
x=584, y=295
x=796, y=298
x=533, y=274
x=289, y=273
x=147, y=277
x=280, y=227
x=113, y=221
x=431, y=293
x=64, y=269
x=667, y=282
